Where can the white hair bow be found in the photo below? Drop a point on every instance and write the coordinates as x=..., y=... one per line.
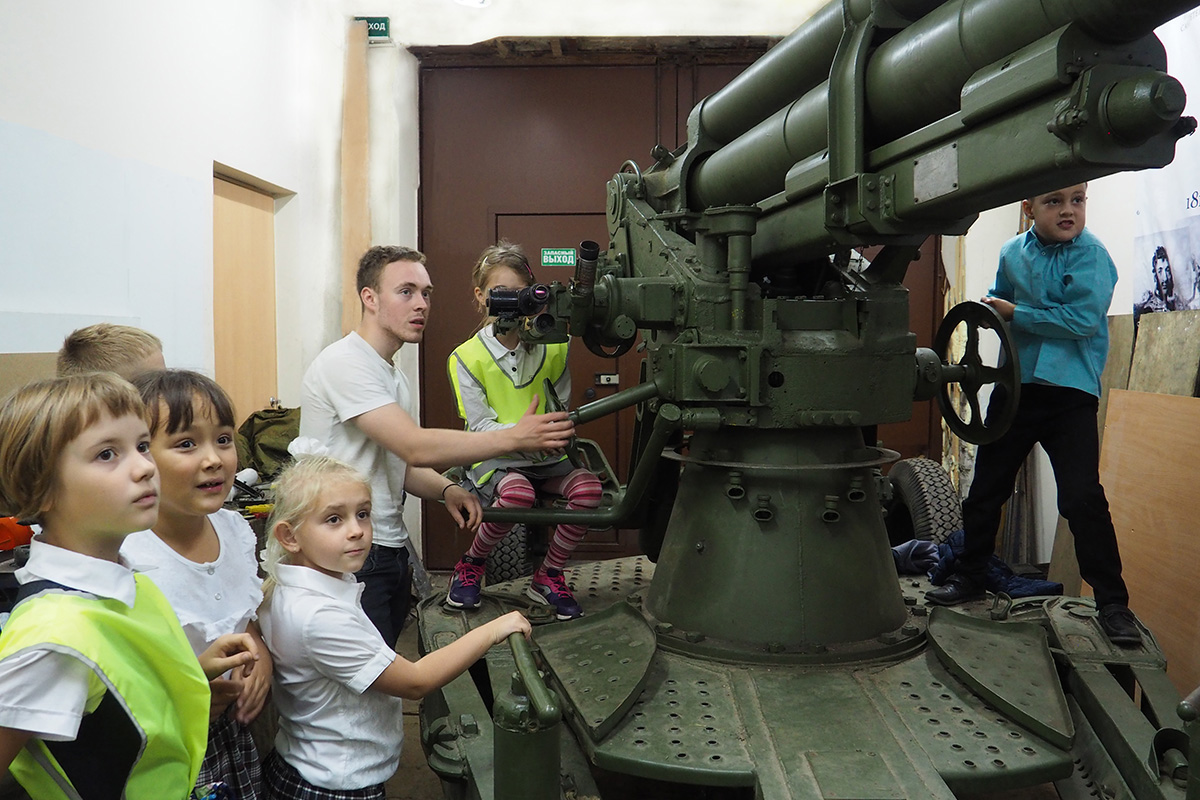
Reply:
x=306, y=446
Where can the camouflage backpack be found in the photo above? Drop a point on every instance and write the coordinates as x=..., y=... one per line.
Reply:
x=263, y=439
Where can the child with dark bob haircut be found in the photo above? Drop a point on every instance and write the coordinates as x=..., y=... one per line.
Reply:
x=102, y=694
x=202, y=556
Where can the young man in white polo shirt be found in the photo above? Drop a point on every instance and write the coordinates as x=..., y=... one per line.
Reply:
x=358, y=405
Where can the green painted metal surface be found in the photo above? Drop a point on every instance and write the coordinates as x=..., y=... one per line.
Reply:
x=526, y=748
x=972, y=745
x=786, y=527
x=1008, y=664
x=601, y=664
x=906, y=722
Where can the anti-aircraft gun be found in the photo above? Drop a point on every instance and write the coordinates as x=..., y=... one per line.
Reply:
x=770, y=651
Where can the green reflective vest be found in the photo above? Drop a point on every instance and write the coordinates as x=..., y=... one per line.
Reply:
x=508, y=399
x=155, y=690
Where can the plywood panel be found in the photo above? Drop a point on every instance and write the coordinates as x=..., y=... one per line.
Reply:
x=244, y=295
x=1166, y=358
x=1149, y=470
x=18, y=369
x=1120, y=360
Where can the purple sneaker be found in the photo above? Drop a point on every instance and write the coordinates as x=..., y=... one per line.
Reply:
x=464, y=585
x=548, y=586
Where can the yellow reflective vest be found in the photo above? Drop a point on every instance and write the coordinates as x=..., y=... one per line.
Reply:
x=150, y=730
x=508, y=399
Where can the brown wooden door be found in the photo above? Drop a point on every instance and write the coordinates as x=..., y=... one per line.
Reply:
x=524, y=152
x=521, y=153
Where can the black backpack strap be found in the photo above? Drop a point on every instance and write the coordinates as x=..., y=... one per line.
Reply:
x=99, y=760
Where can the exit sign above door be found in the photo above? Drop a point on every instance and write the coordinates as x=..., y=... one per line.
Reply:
x=378, y=28
x=558, y=256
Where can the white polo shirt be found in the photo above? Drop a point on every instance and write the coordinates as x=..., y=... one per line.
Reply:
x=348, y=379
x=47, y=692
x=333, y=731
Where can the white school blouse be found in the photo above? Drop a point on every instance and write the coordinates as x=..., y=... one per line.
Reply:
x=212, y=598
x=44, y=691
x=332, y=730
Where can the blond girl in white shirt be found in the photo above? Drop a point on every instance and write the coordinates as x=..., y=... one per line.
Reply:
x=337, y=683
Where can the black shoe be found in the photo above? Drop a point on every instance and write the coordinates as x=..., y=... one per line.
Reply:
x=957, y=589
x=1120, y=625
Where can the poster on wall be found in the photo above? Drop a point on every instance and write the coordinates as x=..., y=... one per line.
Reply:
x=1167, y=243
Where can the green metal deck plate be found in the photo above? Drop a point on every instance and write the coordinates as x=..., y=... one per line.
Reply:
x=1075, y=627
x=600, y=662
x=1008, y=664
x=595, y=584
x=974, y=747
x=854, y=774
x=830, y=734
x=879, y=732
x=1094, y=774
x=684, y=726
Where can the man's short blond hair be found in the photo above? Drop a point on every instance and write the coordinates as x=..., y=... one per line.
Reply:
x=105, y=347
x=38, y=421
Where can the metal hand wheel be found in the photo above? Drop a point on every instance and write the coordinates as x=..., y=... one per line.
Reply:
x=553, y=403
x=971, y=374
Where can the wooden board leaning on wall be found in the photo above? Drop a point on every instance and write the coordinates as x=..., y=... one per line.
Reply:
x=1149, y=470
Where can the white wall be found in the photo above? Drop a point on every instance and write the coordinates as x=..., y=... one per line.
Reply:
x=446, y=22
x=112, y=115
x=111, y=118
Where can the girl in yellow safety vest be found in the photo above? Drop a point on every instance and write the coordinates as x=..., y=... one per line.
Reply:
x=495, y=378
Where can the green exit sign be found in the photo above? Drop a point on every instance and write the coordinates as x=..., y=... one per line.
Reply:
x=377, y=27
x=558, y=256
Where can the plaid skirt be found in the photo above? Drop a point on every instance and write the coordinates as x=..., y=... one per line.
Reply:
x=283, y=782
x=231, y=758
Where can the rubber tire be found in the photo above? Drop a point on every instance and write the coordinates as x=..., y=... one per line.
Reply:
x=922, y=488
x=512, y=558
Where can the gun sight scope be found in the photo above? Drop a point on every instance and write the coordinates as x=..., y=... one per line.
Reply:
x=515, y=303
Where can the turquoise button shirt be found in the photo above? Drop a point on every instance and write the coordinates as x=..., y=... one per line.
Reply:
x=1062, y=293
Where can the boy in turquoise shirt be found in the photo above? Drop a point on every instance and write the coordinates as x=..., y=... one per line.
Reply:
x=1054, y=286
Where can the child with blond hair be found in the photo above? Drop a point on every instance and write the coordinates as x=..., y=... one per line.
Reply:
x=1053, y=286
x=103, y=697
x=331, y=663
x=106, y=347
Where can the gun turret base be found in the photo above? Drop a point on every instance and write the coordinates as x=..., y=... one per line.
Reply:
x=979, y=705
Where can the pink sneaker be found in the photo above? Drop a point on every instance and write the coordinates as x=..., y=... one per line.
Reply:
x=548, y=586
x=465, y=585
